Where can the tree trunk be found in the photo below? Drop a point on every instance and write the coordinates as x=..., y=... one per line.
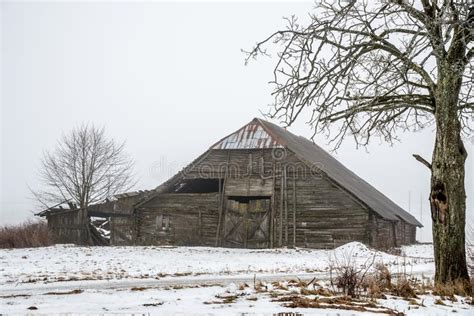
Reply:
x=448, y=197
x=84, y=218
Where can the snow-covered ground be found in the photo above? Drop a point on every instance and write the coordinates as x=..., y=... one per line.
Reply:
x=71, y=263
x=67, y=278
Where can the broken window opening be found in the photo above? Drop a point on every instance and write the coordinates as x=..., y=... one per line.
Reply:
x=247, y=199
x=163, y=222
x=198, y=186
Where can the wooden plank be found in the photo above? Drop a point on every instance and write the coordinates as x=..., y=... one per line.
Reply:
x=272, y=209
x=285, y=187
x=248, y=187
x=294, y=211
x=220, y=213
x=221, y=210
x=280, y=233
x=200, y=226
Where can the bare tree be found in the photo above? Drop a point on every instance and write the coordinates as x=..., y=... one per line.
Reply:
x=371, y=68
x=85, y=168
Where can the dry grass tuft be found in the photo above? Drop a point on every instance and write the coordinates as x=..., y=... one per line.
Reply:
x=319, y=291
x=458, y=287
x=138, y=289
x=378, y=282
x=342, y=302
x=242, y=286
x=383, y=276
x=77, y=291
x=404, y=288
x=372, y=287
x=29, y=234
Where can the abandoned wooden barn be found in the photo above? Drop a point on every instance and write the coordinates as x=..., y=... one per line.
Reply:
x=262, y=187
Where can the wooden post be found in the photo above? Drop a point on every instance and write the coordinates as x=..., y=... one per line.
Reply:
x=280, y=234
x=246, y=225
x=272, y=210
x=286, y=206
x=220, y=212
x=221, y=208
x=221, y=200
x=200, y=226
x=294, y=210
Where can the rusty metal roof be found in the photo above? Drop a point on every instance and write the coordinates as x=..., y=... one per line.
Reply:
x=251, y=136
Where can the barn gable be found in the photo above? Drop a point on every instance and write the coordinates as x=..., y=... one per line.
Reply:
x=260, y=134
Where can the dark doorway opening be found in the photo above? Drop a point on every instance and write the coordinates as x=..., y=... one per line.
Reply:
x=198, y=186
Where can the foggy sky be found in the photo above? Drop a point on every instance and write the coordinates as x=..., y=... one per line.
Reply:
x=170, y=80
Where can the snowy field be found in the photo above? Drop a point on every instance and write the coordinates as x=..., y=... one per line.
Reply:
x=101, y=280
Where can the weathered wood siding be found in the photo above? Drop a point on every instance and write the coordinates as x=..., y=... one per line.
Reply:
x=178, y=219
x=251, y=186
x=234, y=163
x=326, y=216
x=65, y=228
x=410, y=234
x=306, y=208
x=123, y=226
x=385, y=234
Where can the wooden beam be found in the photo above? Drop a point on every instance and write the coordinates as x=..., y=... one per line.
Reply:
x=280, y=233
x=294, y=210
x=286, y=205
x=221, y=200
x=272, y=211
x=220, y=213
x=200, y=226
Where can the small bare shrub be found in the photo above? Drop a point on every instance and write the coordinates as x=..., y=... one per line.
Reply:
x=29, y=234
x=349, y=277
x=347, y=280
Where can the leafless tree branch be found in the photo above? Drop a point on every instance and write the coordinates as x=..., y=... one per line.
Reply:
x=370, y=67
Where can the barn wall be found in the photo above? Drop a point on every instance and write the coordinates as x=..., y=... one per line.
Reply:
x=178, y=219
x=410, y=234
x=65, y=228
x=123, y=228
x=326, y=216
x=386, y=234
x=406, y=233
x=381, y=232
